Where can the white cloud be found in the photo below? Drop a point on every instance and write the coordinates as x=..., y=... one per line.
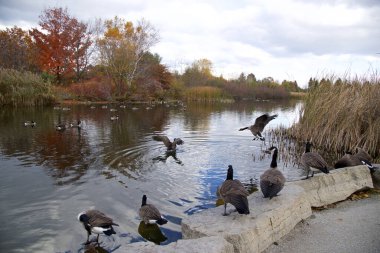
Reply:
x=285, y=39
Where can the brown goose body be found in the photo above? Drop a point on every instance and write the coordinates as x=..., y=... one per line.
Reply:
x=362, y=155
x=347, y=160
x=97, y=222
x=364, y=158
x=170, y=145
x=150, y=214
x=233, y=192
x=259, y=125
x=272, y=181
x=312, y=161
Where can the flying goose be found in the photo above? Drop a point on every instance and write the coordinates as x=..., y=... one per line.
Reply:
x=364, y=158
x=272, y=180
x=347, y=160
x=150, y=214
x=312, y=161
x=171, y=146
x=96, y=222
x=259, y=125
x=30, y=123
x=233, y=192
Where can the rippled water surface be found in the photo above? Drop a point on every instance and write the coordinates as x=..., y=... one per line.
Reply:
x=48, y=177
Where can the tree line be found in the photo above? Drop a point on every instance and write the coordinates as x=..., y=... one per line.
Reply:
x=111, y=59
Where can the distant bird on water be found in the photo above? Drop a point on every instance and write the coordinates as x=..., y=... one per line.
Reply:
x=259, y=125
x=116, y=117
x=77, y=125
x=272, y=180
x=232, y=191
x=170, y=145
x=30, y=123
x=312, y=161
x=150, y=214
x=60, y=127
x=96, y=222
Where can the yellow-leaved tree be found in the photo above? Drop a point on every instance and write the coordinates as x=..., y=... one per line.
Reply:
x=122, y=47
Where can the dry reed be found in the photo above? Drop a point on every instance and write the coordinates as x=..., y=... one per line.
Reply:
x=339, y=115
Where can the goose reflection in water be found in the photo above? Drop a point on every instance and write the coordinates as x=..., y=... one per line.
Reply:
x=163, y=158
x=151, y=232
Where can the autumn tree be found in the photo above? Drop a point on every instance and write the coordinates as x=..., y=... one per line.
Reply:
x=122, y=47
x=62, y=43
x=17, y=50
x=198, y=74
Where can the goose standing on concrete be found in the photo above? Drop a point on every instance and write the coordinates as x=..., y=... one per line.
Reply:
x=96, y=222
x=347, y=160
x=259, y=125
x=171, y=146
x=272, y=181
x=232, y=191
x=150, y=214
x=364, y=158
x=312, y=161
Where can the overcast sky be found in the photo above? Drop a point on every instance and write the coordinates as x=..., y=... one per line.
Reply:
x=284, y=39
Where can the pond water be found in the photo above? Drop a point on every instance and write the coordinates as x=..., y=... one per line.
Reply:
x=48, y=177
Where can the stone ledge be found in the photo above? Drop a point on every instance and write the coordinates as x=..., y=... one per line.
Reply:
x=268, y=221
x=338, y=185
x=213, y=244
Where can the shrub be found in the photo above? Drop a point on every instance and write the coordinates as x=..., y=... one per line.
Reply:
x=24, y=88
x=96, y=88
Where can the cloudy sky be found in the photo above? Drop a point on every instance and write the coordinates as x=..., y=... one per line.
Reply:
x=284, y=39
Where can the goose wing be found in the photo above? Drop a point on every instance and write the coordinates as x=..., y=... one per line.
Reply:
x=313, y=159
x=232, y=187
x=162, y=138
x=99, y=219
x=263, y=120
x=149, y=212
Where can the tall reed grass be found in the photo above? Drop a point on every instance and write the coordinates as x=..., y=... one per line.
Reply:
x=206, y=94
x=24, y=88
x=339, y=115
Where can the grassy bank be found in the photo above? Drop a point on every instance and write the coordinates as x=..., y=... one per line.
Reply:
x=23, y=88
x=339, y=115
x=206, y=94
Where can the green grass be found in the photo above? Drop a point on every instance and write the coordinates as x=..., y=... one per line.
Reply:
x=23, y=88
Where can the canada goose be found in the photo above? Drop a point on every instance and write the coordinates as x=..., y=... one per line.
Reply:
x=347, y=160
x=312, y=161
x=116, y=117
x=233, y=192
x=171, y=146
x=96, y=222
x=150, y=214
x=364, y=158
x=30, y=123
x=60, y=127
x=259, y=125
x=78, y=125
x=272, y=180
